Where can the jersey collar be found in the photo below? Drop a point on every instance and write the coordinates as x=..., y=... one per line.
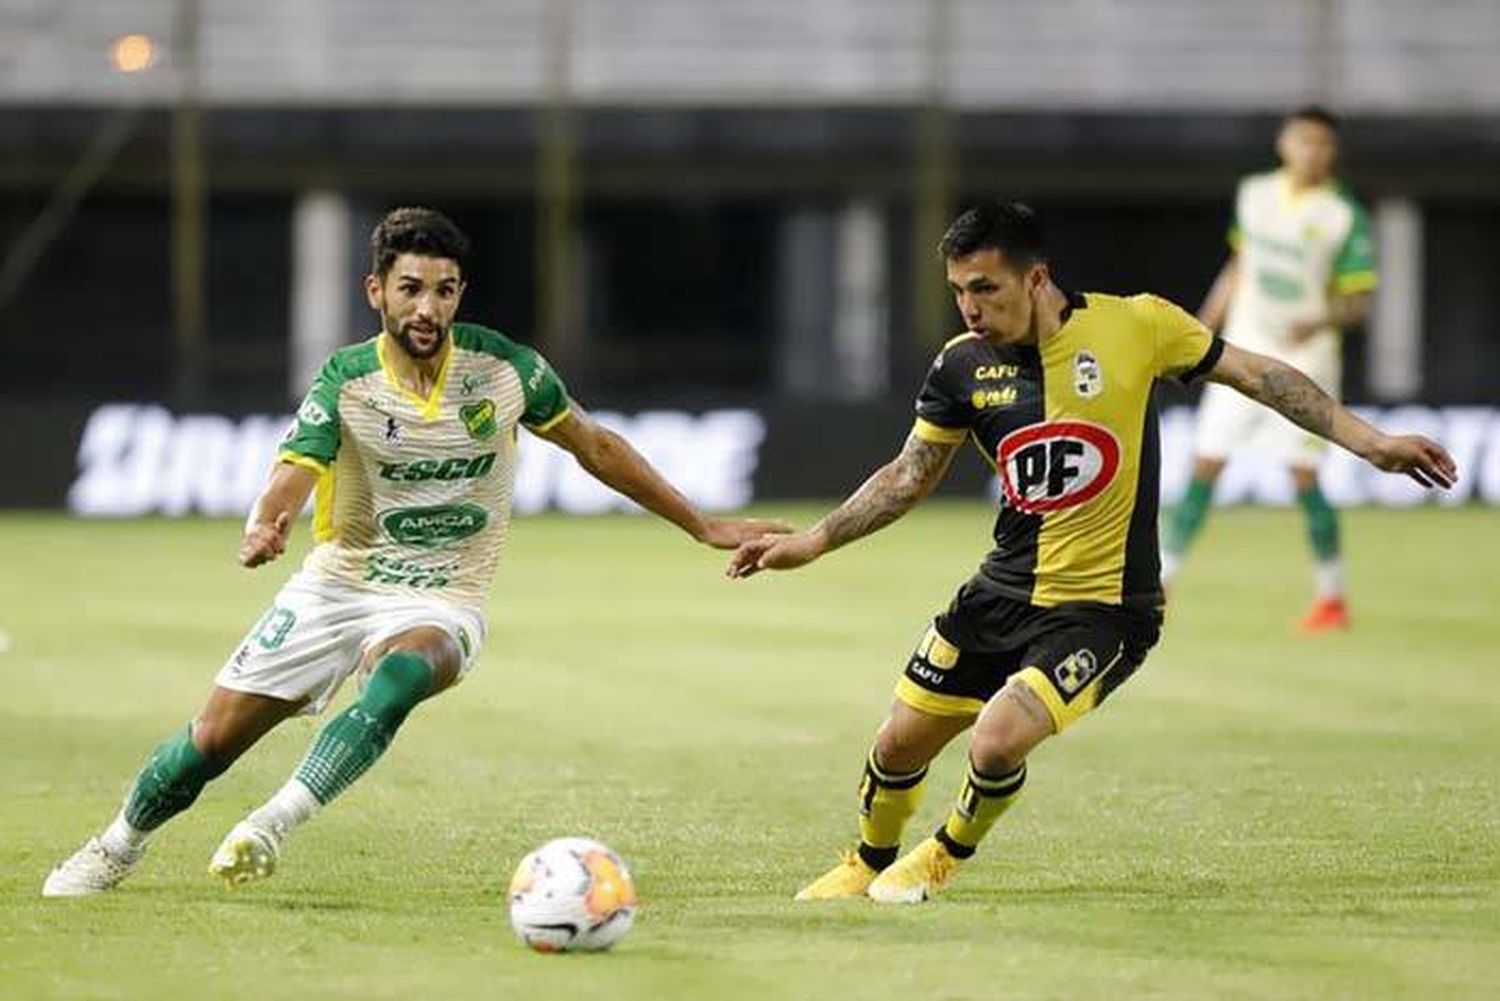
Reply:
x=428, y=404
x=1075, y=300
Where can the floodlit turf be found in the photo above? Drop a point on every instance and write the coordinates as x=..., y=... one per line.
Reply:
x=1256, y=815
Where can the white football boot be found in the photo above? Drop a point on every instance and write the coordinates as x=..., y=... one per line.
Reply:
x=91, y=869
x=246, y=854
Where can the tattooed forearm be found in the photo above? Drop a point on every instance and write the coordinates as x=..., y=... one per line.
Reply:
x=891, y=492
x=1296, y=397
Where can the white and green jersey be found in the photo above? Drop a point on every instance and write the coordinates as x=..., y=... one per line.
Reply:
x=1296, y=250
x=414, y=494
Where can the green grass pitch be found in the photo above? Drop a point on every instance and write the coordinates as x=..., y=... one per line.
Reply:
x=1255, y=815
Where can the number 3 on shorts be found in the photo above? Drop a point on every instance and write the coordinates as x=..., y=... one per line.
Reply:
x=271, y=632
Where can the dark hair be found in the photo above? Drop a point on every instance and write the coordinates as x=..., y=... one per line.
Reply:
x=416, y=231
x=1315, y=113
x=1009, y=227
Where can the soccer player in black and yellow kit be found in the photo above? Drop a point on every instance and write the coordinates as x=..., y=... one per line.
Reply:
x=1055, y=388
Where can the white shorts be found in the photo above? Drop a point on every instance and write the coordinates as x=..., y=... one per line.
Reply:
x=318, y=631
x=1229, y=421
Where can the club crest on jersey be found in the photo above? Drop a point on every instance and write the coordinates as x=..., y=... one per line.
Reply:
x=1056, y=465
x=478, y=418
x=1088, y=377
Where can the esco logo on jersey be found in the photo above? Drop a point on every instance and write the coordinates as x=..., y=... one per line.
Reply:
x=1056, y=465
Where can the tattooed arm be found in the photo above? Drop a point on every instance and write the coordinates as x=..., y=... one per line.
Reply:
x=890, y=492
x=1297, y=398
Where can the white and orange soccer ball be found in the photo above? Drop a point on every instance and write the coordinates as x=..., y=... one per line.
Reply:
x=572, y=895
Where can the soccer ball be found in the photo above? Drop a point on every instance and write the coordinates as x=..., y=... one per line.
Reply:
x=572, y=895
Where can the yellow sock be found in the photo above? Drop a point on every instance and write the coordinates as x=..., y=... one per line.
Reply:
x=886, y=802
x=981, y=801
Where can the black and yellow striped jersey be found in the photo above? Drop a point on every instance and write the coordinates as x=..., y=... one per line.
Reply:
x=1071, y=428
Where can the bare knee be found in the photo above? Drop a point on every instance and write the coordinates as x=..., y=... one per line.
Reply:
x=1012, y=724
x=898, y=752
x=1207, y=470
x=221, y=740
x=909, y=739
x=231, y=722
x=1304, y=478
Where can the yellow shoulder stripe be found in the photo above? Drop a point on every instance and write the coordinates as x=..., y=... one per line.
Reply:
x=1355, y=281
x=307, y=461
x=550, y=423
x=937, y=434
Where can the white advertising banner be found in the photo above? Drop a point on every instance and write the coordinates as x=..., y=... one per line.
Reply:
x=140, y=459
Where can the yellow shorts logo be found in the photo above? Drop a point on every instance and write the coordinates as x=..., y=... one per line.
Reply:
x=937, y=651
x=1075, y=672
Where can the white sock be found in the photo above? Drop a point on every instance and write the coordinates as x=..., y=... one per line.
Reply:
x=1169, y=564
x=292, y=804
x=119, y=838
x=1328, y=578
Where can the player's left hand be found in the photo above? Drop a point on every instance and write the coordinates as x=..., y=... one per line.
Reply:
x=1422, y=459
x=1303, y=330
x=265, y=542
x=729, y=533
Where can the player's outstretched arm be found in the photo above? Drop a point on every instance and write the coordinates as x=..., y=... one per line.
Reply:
x=1297, y=398
x=1216, y=306
x=270, y=521
x=893, y=490
x=1344, y=311
x=611, y=460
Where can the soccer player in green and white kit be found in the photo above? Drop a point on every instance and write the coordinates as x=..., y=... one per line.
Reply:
x=1302, y=271
x=409, y=439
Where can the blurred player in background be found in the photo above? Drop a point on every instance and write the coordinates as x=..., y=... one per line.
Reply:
x=1055, y=387
x=1300, y=274
x=409, y=439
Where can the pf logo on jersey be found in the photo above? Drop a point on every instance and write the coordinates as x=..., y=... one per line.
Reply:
x=1056, y=465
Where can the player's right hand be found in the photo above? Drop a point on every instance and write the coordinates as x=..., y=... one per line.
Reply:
x=264, y=542
x=774, y=552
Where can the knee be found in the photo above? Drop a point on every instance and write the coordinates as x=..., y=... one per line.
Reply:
x=996, y=753
x=899, y=752
x=1003, y=738
x=1206, y=470
x=218, y=742
x=400, y=680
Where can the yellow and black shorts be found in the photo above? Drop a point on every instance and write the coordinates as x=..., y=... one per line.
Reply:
x=1071, y=655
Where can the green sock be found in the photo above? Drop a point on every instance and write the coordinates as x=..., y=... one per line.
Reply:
x=173, y=777
x=1322, y=523
x=354, y=739
x=1188, y=516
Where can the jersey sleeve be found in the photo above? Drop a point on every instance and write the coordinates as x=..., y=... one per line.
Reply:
x=944, y=410
x=1185, y=349
x=1354, y=269
x=547, y=400
x=313, y=439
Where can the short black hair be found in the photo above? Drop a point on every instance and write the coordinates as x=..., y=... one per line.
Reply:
x=424, y=232
x=1009, y=227
x=1314, y=113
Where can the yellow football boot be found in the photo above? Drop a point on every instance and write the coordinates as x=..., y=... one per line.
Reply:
x=850, y=878
x=915, y=876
